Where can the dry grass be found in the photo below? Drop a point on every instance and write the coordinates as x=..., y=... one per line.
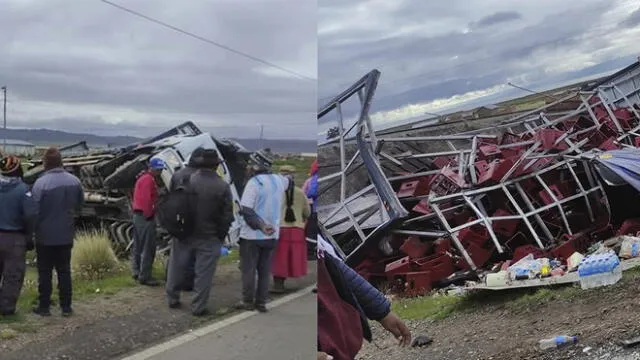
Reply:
x=93, y=257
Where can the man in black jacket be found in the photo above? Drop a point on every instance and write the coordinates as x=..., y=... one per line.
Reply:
x=180, y=177
x=213, y=215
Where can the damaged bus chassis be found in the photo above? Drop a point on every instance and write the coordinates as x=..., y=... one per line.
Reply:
x=427, y=208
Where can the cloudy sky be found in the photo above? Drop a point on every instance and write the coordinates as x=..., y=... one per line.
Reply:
x=439, y=55
x=85, y=66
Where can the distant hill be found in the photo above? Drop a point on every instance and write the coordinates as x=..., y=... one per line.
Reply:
x=46, y=137
x=281, y=145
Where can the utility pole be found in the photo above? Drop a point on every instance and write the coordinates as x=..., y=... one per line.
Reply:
x=4, y=116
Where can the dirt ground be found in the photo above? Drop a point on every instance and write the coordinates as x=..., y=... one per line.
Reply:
x=112, y=327
x=600, y=318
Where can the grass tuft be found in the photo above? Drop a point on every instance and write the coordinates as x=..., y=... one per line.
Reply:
x=93, y=257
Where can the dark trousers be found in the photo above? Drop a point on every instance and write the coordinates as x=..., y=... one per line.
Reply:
x=144, y=247
x=206, y=253
x=311, y=228
x=255, y=258
x=12, y=270
x=190, y=273
x=311, y=232
x=58, y=258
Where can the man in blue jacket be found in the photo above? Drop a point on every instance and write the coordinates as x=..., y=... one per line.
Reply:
x=16, y=220
x=58, y=196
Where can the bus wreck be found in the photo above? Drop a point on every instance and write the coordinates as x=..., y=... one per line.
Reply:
x=440, y=204
x=109, y=175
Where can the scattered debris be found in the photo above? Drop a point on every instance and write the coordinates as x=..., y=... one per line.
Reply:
x=421, y=340
x=521, y=202
x=600, y=269
x=574, y=260
x=630, y=247
x=630, y=342
x=557, y=342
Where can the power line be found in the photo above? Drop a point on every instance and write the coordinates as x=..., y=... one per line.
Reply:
x=532, y=91
x=211, y=42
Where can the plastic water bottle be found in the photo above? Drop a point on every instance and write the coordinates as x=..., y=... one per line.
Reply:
x=557, y=342
x=599, y=270
x=224, y=251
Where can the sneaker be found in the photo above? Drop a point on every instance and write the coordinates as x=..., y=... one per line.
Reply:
x=277, y=290
x=7, y=312
x=202, y=313
x=175, y=305
x=261, y=308
x=150, y=282
x=278, y=286
x=244, y=306
x=41, y=311
x=66, y=312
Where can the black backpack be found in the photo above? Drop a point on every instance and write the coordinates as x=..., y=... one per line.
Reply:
x=175, y=211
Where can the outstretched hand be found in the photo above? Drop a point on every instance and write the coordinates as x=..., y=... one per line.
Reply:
x=393, y=324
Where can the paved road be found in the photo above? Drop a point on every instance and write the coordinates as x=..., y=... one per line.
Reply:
x=287, y=332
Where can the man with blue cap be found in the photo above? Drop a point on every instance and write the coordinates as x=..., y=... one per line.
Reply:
x=145, y=196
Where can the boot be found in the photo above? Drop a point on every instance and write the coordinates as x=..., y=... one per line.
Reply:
x=278, y=286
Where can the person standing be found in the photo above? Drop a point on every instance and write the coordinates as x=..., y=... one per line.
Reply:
x=180, y=177
x=290, y=257
x=346, y=301
x=17, y=213
x=145, y=196
x=58, y=196
x=311, y=191
x=313, y=170
x=212, y=218
x=261, y=205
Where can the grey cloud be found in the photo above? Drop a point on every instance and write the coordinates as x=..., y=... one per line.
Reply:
x=632, y=20
x=92, y=53
x=421, y=67
x=496, y=18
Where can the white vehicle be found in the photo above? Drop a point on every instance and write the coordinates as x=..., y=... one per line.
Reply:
x=176, y=154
